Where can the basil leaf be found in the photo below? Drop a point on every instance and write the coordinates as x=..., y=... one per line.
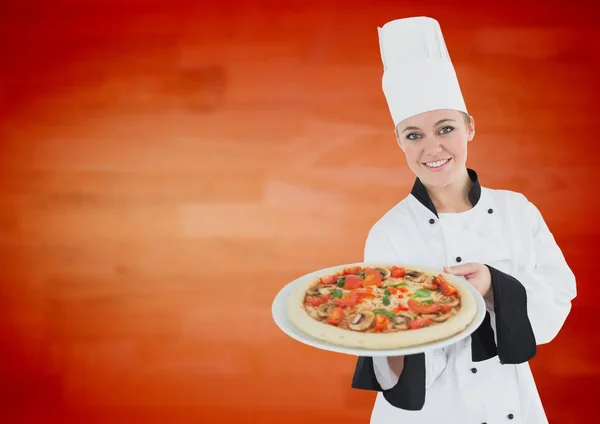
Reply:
x=361, y=274
x=386, y=301
x=341, y=281
x=398, y=285
x=427, y=301
x=386, y=292
x=422, y=293
x=383, y=312
x=337, y=293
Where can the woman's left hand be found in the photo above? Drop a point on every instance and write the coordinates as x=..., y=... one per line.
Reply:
x=476, y=274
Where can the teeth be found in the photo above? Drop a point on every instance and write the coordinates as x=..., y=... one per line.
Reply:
x=436, y=164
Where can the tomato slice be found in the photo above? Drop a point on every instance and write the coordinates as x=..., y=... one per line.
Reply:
x=381, y=322
x=399, y=308
x=447, y=289
x=372, y=277
x=398, y=271
x=329, y=279
x=365, y=294
x=316, y=301
x=352, y=270
x=352, y=282
x=348, y=299
x=423, y=308
x=446, y=308
x=419, y=323
x=336, y=316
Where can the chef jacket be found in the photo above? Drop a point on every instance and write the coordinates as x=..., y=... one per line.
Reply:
x=485, y=378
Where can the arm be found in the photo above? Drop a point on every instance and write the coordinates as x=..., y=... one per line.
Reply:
x=530, y=307
x=404, y=379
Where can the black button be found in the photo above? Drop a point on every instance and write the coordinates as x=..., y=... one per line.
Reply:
x=483, y=423
x=490, y=211
x=510, y=416
x=473, y=370
x=432, y=221
x=458, y=259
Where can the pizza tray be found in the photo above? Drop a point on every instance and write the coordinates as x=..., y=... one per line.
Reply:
x=280, y=315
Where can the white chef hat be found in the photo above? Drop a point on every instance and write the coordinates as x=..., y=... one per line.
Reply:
x=418, y=75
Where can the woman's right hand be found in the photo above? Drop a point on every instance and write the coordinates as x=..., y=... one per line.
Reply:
x=388, y=370
x=396, y=363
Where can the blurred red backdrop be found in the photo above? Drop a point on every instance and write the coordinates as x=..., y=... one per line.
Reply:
x=159, y=156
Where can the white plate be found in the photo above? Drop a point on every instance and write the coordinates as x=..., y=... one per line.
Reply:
x=280, y=315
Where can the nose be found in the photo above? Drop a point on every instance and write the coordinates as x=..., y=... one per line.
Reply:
x=432, y=146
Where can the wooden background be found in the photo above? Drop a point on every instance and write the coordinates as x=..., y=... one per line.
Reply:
x=158, y=158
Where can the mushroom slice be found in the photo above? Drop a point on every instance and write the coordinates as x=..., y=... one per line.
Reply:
x=449, y=300
x=416, y=276
x=407, y=314
x=400, y=322
x=413, y=274
x=313, y=291
x=441, y=317
x=318, y=290
x=324, y=310
x=385, y=273
x=313, y=312
x=361, y=321
x=324, y=290
x=437, y=296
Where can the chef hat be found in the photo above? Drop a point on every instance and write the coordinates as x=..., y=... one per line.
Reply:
x=418, y=75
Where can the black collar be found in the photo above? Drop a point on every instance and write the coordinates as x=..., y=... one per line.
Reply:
x=420, y=193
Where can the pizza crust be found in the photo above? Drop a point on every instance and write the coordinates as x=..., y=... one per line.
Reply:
x=300, y=318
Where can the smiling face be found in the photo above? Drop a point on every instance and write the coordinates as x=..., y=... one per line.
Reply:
x=435, y=145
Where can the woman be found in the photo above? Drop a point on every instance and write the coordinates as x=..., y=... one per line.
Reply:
x=496, y=239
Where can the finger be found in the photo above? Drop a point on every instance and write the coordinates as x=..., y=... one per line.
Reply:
x=463, y=269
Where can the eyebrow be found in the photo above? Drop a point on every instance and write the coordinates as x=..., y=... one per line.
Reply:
x=441, y=121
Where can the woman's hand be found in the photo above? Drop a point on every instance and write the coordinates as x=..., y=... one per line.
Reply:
x=476, y=274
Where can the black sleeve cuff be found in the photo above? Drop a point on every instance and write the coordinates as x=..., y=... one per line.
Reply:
x=483, y=342
x=408, y=393
x=515, y=338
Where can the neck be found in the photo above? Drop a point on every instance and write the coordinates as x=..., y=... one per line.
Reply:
x=453, y=197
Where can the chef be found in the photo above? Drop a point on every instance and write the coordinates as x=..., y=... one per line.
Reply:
x=496, y=239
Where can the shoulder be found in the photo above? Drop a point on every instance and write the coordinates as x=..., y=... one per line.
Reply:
x=505, y=196
x=393, y=218
x=509, y=199
x=380, y=243
x=515, y=203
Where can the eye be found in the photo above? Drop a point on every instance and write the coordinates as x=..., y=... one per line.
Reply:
x=446, y=129
x=413, y=136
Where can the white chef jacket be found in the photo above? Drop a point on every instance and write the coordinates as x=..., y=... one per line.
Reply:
x=486, y=378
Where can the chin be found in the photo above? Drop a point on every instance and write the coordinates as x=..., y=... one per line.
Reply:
x=435, y=179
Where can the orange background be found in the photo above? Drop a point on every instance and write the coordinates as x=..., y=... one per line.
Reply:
x=166, y=167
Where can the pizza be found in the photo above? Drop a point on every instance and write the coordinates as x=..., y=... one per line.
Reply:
x=384, y=306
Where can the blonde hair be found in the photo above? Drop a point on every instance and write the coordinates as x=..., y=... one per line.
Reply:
x=467, y=117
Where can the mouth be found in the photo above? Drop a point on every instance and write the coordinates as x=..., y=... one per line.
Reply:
x=437, y=165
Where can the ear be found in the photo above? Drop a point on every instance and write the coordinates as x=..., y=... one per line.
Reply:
x=471, y=129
